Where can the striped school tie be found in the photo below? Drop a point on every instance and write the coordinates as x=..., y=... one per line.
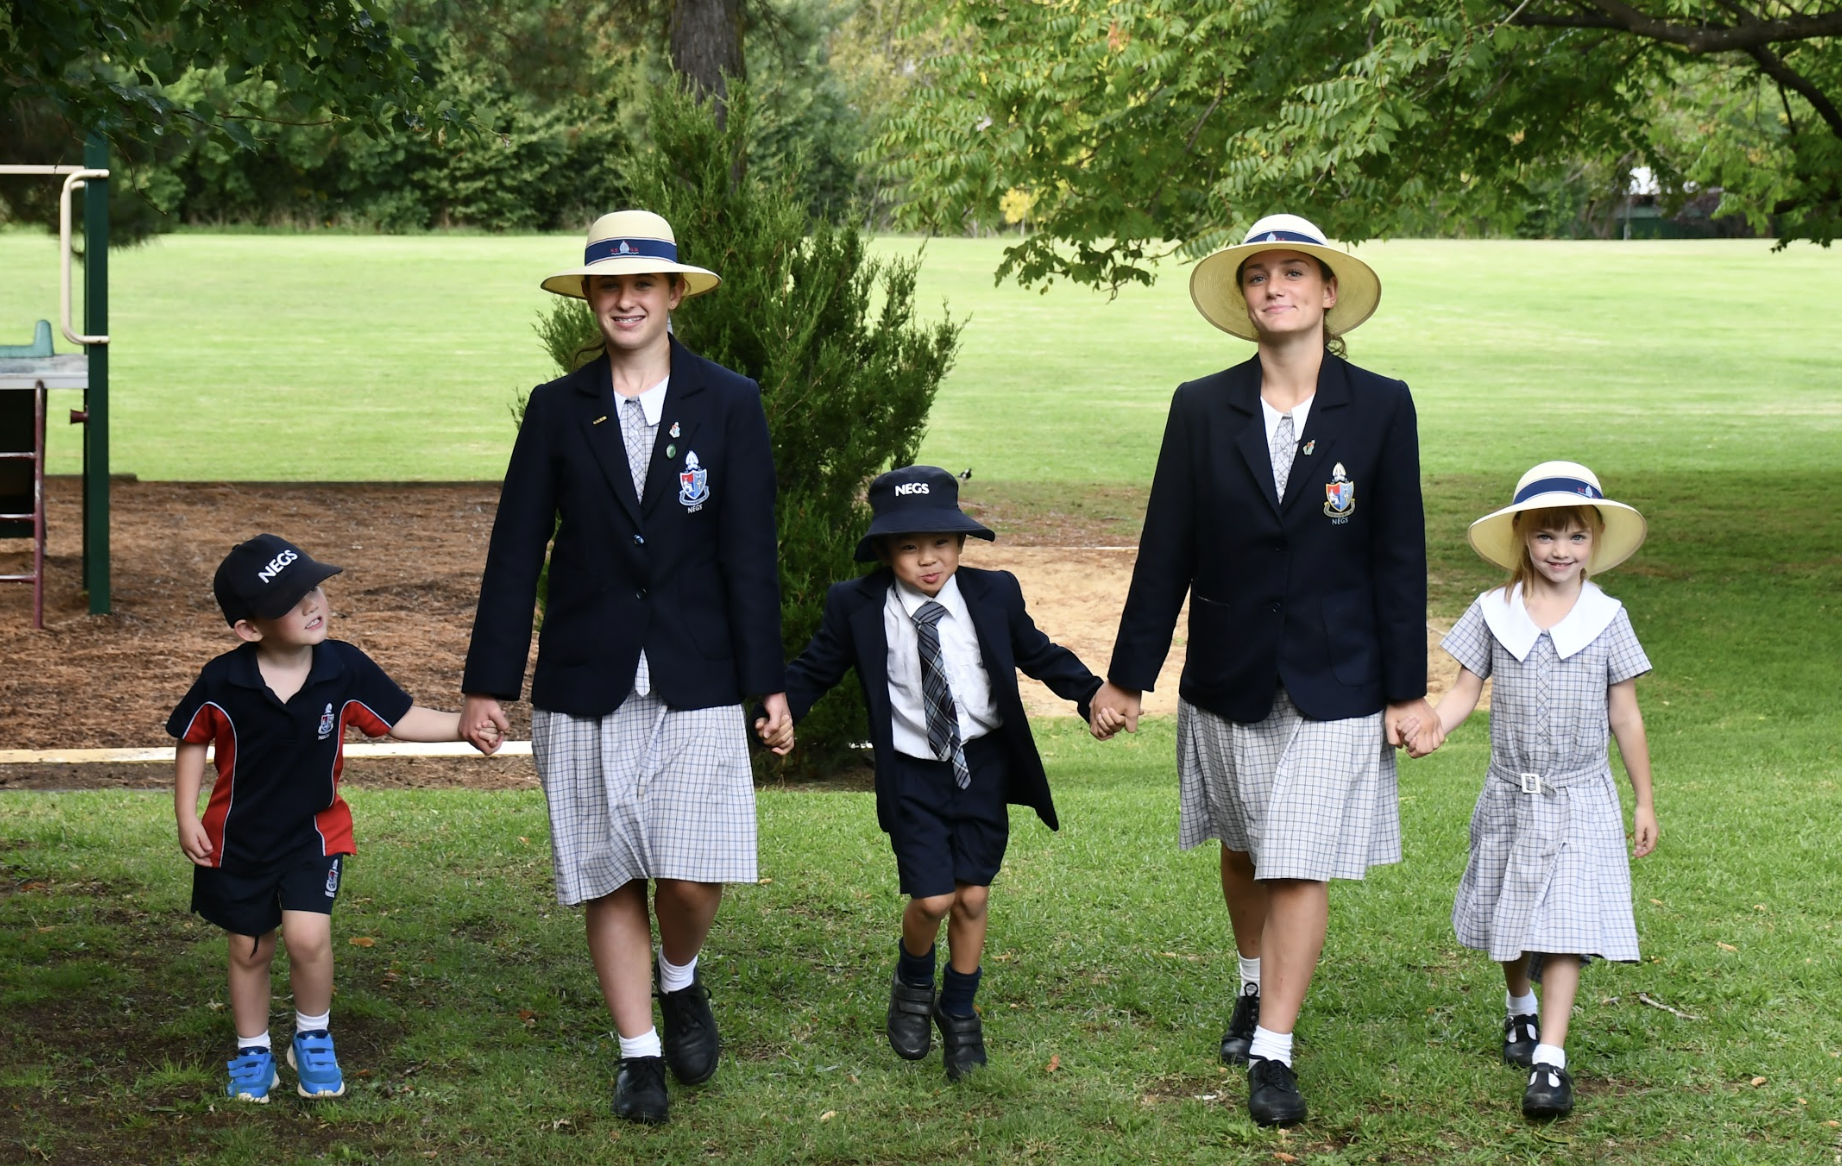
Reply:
x=942, y=713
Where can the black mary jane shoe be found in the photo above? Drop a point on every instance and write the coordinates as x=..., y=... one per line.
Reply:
x=1520, y=1036
x=1273, y=1098
x=911, y=1011
x=1550, y=1092
x=1239, y=1039
x=962, y=1042
x=639, y=1090
x=692, y=1045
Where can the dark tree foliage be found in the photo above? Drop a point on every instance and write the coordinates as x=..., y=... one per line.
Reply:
x=847, y=371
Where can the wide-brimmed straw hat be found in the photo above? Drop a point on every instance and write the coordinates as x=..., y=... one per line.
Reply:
x=916, y=500
x=631, y=243
x=1552, y=484
x=1215, y=283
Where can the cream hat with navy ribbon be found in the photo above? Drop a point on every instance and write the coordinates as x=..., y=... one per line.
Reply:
x=631, y=243
x=1215, y=283
x=1552, y=484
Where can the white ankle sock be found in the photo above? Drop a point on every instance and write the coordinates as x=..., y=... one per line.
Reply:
x=672, y=977
x=1521, y=1005
x=644, y=1045
x=1274, y=1046
x=254, y=1042
x=1250, y=972
x=306, y=1023
x=1551, y=1055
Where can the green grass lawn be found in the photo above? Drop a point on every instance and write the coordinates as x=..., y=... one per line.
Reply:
x=1699, y=379
x=342, y=357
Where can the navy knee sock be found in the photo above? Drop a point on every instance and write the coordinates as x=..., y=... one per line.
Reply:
x=917, y=971
x=957, y=991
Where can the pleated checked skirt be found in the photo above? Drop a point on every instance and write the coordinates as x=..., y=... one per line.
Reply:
x=646, y=792
x=1306, y=799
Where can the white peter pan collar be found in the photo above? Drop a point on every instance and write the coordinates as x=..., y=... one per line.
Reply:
x=1508, y=619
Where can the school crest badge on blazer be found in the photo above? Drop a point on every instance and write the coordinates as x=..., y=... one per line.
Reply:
x=1339, y=495
x=693, y=482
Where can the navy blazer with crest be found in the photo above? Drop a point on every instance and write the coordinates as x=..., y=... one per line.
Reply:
x=691, y=574
x=1324, y=593
x=851, y=636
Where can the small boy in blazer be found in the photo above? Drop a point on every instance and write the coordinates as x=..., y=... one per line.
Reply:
x=937, y=647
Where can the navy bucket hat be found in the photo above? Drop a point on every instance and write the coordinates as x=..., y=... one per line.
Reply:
x=916, y=500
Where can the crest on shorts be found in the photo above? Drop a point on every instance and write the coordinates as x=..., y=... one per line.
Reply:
x=332, y=880
x=693, y=482
x=326, y=723
x=1339, y=494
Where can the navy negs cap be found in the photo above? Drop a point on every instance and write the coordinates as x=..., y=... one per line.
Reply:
x=916, y=500
x=265, y=577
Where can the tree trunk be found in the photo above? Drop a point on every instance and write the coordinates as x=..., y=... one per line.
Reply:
x=706, y=44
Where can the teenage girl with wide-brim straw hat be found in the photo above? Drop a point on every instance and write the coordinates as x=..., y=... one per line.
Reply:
x=1286, y=507
x=1548, y=886
x=647, y=480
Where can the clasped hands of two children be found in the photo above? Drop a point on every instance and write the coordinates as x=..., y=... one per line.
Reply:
x=1106, y=722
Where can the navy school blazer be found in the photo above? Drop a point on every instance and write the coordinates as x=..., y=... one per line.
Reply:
x=691, y=575
x=851, y=636
x=1325, y=593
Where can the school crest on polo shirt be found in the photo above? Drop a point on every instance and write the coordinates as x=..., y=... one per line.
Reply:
x=327, y=722
x=693, y=483
x=1339, y=495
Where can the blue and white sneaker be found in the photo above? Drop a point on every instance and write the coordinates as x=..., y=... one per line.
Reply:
x=311, y=1055
x=252, y=1075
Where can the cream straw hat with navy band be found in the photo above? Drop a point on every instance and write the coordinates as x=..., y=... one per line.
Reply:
x=1553, y=484
x=631, y=243
x=1215, y=285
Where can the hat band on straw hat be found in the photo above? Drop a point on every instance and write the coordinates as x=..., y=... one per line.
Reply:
x=621, y=248
x=1288, y=237
x=1557, y=486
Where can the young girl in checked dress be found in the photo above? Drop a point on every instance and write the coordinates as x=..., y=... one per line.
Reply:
x=1548, y=886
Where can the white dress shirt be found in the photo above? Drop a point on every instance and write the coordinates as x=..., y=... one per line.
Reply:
x=959, y=651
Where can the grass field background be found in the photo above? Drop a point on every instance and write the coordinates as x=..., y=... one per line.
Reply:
x=1700, y=379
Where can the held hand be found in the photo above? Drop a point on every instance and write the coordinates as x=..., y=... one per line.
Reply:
x=780, y=742
x=482, y=723
x=194, y=841
x=777, y=730
x=1644, y=831
x=1400, y=711
x=1106, y=722
x=1126, y=703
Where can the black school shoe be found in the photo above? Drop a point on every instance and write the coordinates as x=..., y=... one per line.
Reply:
x=962, y=1042
x=1273, y=1098
x=1520, y=1036
x=1550, y=1092
x=639, y=1090
x=691, y=1042
x=1239, y=1038
x=910, y=1011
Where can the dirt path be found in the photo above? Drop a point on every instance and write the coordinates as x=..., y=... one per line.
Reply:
x=412, y=554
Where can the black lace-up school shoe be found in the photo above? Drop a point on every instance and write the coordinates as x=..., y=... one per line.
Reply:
x=691, y=1042
x=1273, y=1098
x=962, y=1042
x=1240, y=1035
x=911, y=1010
x=639, y=1090
x=1550, y=1092
x=1520, y=1036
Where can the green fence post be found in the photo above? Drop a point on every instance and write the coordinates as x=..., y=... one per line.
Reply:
x=96, y=397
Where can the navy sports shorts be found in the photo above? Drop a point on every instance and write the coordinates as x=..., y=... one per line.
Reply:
x=945, y=835
x=251, y=904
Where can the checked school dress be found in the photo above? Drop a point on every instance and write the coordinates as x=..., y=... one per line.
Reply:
x=1548, y=870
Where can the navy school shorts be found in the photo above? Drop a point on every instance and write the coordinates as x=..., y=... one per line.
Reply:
x=251, y=904
x=945, y=835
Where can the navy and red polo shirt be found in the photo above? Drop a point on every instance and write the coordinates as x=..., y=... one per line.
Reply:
x=276, y=797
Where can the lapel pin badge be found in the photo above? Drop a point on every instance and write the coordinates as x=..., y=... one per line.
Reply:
x=1311, y=446
x=671, y=451
x=675, y=431
x=599, y=419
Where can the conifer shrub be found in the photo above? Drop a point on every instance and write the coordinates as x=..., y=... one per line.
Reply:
x=847, y=371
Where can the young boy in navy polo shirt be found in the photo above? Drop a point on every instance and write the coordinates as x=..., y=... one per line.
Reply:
x=270, y=849
x=937, y=647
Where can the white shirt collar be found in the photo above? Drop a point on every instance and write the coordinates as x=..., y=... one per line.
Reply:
x=652, y=401
x=1508, y=619
x=1300, y=412
x=912, y=598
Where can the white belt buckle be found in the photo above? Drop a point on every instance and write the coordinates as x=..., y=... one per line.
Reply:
x=1531, y=782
